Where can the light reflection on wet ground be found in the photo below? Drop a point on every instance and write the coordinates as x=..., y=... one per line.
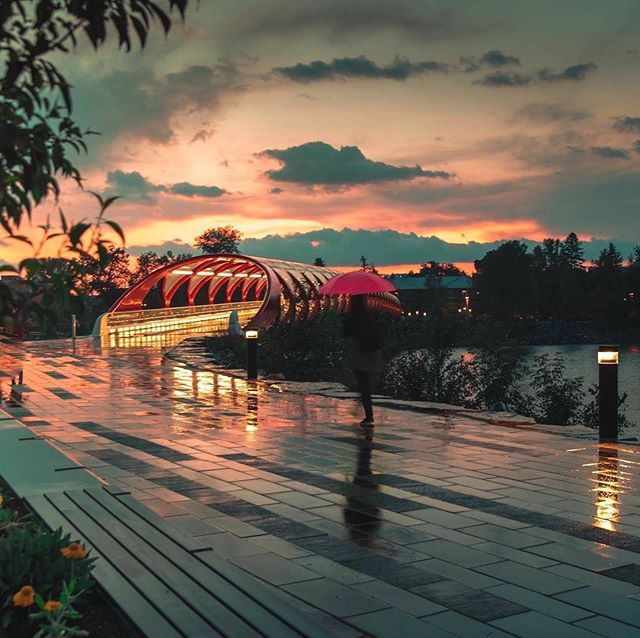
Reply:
x=421, y=490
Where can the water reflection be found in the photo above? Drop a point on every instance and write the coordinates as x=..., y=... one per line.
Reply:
x=362, y=525
x=252, y=408
x=609, y=487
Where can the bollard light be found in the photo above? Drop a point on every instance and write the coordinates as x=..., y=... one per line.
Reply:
x=608, y=392
x=252, y=354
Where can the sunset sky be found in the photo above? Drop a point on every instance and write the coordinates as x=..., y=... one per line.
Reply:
x=467, y=120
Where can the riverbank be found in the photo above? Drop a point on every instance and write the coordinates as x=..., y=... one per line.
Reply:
x=194, y=354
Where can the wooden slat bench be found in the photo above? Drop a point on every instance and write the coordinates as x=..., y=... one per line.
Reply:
x=167, y=583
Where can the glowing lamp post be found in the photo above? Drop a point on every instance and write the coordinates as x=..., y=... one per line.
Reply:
x=608, y=392
x=252, y=354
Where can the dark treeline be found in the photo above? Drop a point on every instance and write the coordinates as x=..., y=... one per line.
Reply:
x=554, y=282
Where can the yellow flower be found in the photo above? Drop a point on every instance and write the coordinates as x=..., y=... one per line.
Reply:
x=52, y=605
x=74, y=550
x=1, y=500
x=25, y=597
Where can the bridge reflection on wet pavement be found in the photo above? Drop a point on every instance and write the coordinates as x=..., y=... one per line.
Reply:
x=433, y=525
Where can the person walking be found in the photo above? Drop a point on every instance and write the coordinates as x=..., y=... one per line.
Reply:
x=364, y=336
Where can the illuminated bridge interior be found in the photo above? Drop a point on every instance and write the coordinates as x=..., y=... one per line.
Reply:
x=197, y=295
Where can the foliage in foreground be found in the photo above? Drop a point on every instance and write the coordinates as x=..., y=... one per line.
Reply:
x=42, y=574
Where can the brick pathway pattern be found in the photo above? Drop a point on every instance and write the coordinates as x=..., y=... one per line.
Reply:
x=431, y=525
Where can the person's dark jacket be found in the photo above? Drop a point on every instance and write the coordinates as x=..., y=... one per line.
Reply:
x=366, y=328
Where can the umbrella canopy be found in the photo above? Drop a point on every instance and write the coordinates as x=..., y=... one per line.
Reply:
x=357, y=282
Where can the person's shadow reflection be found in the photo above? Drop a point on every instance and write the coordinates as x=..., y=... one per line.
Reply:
x=362, y=519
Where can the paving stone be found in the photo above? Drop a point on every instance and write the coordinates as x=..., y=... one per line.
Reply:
x=578, y=557
x=279, y=546
x=626, y=573
x=538, y=580
x=334, y=598
x=235, y=526
x=504, y=536
x=455, y=536
x=229, y=546
x=586, y=577
x=440, y=517
x=275, y=569
x=464, y=627
x=392, y=572
x=334, y=571
x=454, y=553
x=543, y=604
x=533, y=625
x=517, y=555
x=192, y=525
x=391, y=622
x=404, y=600
x=607, y=627
x=625, y=610
x=467, y=577
x=477, y=604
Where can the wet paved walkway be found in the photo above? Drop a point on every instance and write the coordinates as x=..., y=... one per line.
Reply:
x=433, y=526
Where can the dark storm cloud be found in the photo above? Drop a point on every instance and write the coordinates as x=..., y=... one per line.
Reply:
x=627, y=124
x=384, y=247
x=636, y=147
x=400, y=69
x=575, y=73
x=359, y=67
x=497, y=58
x=317, y=163
x=506, y=78
x=132, y=185
x=341, y=19
x=193, y=190
x=549, y=112
x=572, y=73
x=610, y=153
x=138, y=188
x=494, y=59
x=143, y=105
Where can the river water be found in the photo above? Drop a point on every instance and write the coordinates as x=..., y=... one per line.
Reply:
x=581, y=361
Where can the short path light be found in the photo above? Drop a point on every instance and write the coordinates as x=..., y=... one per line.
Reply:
x=608, y=392
x=252, y=353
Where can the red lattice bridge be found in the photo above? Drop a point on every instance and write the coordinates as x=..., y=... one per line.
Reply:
x=198, y=295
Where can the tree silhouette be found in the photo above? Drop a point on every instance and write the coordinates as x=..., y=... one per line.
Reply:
x=221, y=239
x=37, y=129
x=504, y=280
x=572, y=251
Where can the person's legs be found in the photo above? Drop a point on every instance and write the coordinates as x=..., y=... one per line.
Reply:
x=363, y=379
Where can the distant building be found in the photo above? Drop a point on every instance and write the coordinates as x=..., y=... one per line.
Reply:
x=414, y=292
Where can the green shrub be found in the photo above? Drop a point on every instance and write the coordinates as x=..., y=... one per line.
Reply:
x=590, y=414
x=497, y=376
x=306, y=350
x=32, y=556
x=556, y=399
x=429, y=375
x=56, y=618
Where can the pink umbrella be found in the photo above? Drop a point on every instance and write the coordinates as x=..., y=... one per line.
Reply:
x=357, y=282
